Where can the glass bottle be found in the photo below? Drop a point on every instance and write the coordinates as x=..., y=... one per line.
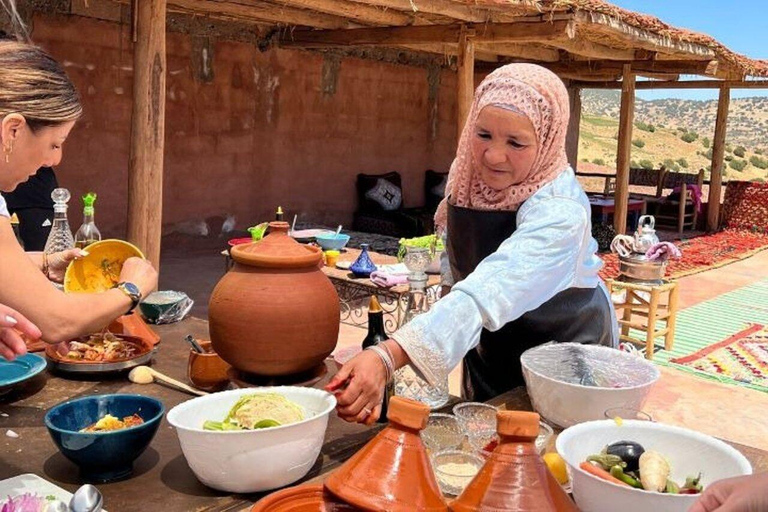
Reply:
x=408, y=383
x=60, y=238
x=88, y=232
x=514, y=476
x=376, y=335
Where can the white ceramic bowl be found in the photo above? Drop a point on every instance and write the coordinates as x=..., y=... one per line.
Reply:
x=688, y=452
x=251, y=460
x=565, y=404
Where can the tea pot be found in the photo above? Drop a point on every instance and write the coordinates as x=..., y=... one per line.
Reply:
x=645, y=236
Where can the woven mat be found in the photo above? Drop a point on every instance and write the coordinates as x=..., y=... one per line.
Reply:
x=702, y=253
x=742, y=357
x=715, y=324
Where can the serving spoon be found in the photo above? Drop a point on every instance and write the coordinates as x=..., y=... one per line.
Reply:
x=147, y=375
x=86, y=499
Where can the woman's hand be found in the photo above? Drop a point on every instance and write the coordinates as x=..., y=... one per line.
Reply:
x=12, y=325
x=359, y=388
x=58, y=262
x=741, y=494
x=141, y=273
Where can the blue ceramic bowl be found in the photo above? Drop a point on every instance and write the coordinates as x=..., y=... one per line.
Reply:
x=103, y=456
x=332, y=241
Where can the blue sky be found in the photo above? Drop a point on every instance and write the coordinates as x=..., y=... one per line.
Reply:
x=738, y=24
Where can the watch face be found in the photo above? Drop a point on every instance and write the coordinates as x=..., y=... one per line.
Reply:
x=132, y=288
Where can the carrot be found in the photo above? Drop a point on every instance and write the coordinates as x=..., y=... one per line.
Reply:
x=601, y=473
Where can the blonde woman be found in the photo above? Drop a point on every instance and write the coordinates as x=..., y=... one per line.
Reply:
x=39, y=106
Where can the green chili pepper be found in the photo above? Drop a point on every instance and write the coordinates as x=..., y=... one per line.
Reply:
x=607, y=461
x=672, y=488
x=618, y=472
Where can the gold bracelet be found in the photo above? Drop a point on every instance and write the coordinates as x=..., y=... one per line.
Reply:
x=46, y=270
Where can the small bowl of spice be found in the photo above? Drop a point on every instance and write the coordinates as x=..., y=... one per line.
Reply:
x=455, y=469
x=443, y=432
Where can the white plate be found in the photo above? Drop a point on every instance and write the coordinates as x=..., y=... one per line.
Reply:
x=31, y=483
x=343, y=265
x=305, y=234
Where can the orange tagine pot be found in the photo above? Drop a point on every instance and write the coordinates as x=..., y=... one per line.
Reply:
x=275, y=313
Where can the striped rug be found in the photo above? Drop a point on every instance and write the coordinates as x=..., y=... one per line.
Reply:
x=713, y=321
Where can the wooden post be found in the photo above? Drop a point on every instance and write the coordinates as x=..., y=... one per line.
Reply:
x=145, y=170
x=626, y=118
x=466, y=79
x=572, y=137
x=718, y=152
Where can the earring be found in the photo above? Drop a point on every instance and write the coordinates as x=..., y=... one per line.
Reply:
x=8, y=149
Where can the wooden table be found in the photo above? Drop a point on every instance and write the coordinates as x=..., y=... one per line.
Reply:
x=603, y=208
x=354, y=292
x=161, y=479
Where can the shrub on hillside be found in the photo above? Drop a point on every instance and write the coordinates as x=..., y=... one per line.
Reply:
x=598, y=161
x=638, y=143
x=740, y=151
x=682, y=162
x=760, y=163
x=758, y=180
x=646, y=164
x=758, y=151
x=705, y=142
x=646, y=127
x=671, y=165
x=738, y=165
x=728, y=158
x=728, y=148
x=689, y=137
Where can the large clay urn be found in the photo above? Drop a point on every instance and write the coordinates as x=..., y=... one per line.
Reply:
x=275, y=313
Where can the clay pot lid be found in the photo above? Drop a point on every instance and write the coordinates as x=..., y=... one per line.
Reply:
x=517, y=424
x=392, y=472
x=303, y=498
x=277, y=250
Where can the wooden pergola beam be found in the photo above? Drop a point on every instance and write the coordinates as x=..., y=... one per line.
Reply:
x=446, y=8
x=364, y=14
x=145, y=165
x=393, y=36
x=616, y=67
x=259, y=12
x=465, y=80
x=626, y=119
x=686, y=84
x=521, y=51
x=582, y=49
x=718, y=154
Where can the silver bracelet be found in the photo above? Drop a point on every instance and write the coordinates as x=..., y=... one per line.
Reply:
x=389, y=353
x=389, y=365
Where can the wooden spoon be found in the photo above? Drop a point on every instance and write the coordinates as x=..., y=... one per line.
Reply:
x=146, y=375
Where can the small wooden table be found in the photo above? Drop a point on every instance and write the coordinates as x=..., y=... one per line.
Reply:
x=355, y=292
x=647, y=301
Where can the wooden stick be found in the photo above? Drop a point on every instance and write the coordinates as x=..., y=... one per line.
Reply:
x=173, y=382
x=718, y=153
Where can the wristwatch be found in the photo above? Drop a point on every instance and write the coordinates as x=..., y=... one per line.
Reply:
x=132, y=291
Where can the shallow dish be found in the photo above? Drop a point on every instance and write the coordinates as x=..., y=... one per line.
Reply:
x=21, y=369
x=61, y=363
x=245, y=461
x=157, y=304
x=688, y=452
x=103, y=456
x=100, y=270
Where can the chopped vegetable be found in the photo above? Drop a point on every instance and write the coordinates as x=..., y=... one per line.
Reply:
x=629, y=452
x=672, y=488
x=693, y=484
x=606, y=461
x=654, y=471
x=258, y=411
x=600, y=473
x=618, y=472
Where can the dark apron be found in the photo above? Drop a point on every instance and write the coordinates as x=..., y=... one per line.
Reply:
x=580, y=315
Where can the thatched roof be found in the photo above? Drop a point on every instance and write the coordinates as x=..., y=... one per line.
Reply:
x=580, y=39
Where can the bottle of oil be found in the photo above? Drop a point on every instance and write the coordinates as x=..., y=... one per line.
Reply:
x=60, y=238
x=376, y=335
x=88, y=232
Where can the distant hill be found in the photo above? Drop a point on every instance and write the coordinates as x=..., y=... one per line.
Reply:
x=677, y=133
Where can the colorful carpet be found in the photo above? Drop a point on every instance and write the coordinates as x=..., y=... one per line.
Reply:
x=743, y=357
x=702, y=253
x=711, y=327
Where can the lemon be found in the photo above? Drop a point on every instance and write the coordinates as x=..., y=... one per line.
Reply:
x=556, y=466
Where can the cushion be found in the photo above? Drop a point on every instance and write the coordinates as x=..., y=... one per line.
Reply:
x=379, y=192
x=434, y=188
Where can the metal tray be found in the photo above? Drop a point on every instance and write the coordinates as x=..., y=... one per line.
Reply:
x=65, y=366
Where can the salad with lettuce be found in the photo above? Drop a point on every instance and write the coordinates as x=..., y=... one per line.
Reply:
x=433, y=242
x=259, y=411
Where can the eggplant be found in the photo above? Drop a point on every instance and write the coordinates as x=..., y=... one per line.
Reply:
x=629, y=452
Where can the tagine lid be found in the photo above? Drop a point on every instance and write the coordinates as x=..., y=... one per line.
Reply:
x=517, y=424
x=303, y=498
x=277, y=250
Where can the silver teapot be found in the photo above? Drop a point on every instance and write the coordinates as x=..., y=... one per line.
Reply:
x=645, y=236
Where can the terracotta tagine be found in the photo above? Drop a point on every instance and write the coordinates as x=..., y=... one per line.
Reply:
x=275, y=313
x=392, y=472
x=302, y=498
x=514, y=478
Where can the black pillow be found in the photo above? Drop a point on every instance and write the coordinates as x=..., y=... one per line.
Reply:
x=434, y=188
x=379, y=192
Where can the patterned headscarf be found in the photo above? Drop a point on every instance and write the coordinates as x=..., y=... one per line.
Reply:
x=534, y=92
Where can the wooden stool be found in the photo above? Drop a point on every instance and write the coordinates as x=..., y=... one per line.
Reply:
x=652, y=308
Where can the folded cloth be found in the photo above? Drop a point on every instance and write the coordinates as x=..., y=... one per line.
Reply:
x=695, y=195
x=662, y=251
x=385, y=280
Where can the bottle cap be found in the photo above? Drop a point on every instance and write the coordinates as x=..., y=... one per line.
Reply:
x=374, y=306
